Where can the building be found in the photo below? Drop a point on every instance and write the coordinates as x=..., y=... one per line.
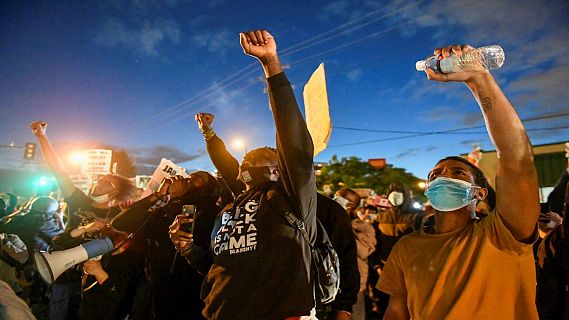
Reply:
x=550, y=161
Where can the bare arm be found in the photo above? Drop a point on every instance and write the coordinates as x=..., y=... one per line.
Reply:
x=397, y=308
x=52, y=158
x=516, y=178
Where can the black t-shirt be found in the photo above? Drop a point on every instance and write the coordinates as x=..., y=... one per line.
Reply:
x=79, y=206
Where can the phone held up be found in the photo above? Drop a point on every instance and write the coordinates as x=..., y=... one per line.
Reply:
x=190, y=211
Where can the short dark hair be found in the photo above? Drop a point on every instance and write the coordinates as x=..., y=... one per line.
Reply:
x=264, y=152
x=479, y=177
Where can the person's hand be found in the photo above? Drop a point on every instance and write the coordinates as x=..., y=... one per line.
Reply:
x=179, y=238
x=259, y=44
x=94, y=227
x=456, y=50
x=91, y=228
x=38, y=128
x=164, y=187
x=553, y=217
x=93, y=267
x=204, y=120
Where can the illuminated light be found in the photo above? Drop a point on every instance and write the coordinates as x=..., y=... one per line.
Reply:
x=77, y=157
x=42, y=181
x=417, y=205
x=238, y=144
x=422, y=185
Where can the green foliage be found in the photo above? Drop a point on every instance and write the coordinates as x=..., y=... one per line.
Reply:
x=352, y=172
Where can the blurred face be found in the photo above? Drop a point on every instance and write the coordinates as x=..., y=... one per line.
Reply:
x=103, y=186
x=347, y=200
x=180, y=187
x=259, y=167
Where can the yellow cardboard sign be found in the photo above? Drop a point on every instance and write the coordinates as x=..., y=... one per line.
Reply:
x=317, y=110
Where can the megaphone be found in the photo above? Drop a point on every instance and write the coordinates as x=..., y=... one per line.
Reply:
x=51, y=265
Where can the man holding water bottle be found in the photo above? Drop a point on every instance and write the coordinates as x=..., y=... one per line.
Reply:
x=464, y=267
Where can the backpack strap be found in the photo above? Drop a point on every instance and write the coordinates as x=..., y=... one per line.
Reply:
x=298, y=224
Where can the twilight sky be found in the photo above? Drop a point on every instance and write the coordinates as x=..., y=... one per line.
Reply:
x=132, y=74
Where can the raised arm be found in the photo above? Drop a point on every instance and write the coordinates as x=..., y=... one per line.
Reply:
x=52, y=158
x=294, y=144
x=516, y=178
x=223, y=161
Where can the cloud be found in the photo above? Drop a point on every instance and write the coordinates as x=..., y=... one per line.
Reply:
x=335, y=9
x=547, y=89
x=145, y=38
x=354, y=75
x=147, y=159
x=408, y=153
x=215, y=41
x=344, y=9
x=533, y=35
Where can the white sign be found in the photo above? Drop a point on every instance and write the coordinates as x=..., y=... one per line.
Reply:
x=97, y=161
x=317, y=110
x=81, y=182
x=166, y=169
x=141, y=181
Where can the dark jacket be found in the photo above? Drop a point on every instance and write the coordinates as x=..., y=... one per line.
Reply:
x=339, y=228
x=167, y=273
x=261, y=264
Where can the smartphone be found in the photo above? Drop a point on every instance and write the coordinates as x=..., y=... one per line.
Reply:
x=544, y=209
x=190, y=211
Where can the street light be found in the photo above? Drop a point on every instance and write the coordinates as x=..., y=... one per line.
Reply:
x=77, y=158
x=239, y=144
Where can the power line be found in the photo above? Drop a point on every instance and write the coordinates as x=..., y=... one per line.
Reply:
x=413, y=134
x=351, y=25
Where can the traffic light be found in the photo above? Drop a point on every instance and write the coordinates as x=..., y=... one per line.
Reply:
x=30, y=151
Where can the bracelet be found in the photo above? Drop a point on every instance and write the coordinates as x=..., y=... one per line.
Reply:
x=185, y=249
x=208, y=134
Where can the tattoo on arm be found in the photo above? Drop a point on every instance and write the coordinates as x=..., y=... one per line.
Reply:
x=486, y=104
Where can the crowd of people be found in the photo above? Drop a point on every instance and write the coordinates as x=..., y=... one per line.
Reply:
x=219, y=247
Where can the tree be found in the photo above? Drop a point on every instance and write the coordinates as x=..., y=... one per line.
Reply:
x=352, y=172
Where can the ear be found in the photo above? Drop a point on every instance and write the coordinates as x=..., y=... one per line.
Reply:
x=481, y=194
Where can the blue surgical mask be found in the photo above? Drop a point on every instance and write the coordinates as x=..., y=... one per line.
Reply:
x=447, y=194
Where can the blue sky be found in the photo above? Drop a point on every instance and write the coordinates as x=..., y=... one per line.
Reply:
x=132, y=74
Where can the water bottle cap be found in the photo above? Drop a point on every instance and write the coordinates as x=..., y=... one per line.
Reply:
x=421, y=65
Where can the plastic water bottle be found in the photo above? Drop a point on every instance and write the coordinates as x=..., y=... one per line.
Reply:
x=484, y=58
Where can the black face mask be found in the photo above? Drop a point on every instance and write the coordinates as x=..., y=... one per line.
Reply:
x=258, y=176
